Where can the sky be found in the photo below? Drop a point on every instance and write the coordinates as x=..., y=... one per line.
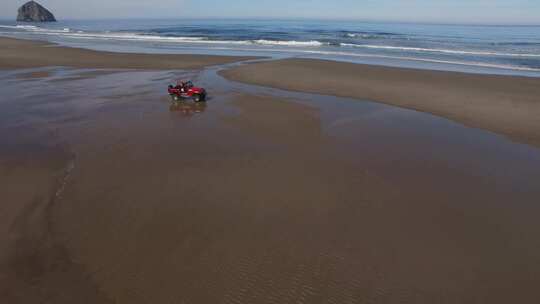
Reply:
x=430, y=11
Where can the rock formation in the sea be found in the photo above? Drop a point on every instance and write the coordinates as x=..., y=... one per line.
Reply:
x=34, y=12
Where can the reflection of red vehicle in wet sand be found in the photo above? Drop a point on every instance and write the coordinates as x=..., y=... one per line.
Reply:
x=184, y=90
x=188, y=108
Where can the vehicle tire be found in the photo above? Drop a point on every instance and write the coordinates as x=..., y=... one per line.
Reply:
x=196, y=97
x=175, y=97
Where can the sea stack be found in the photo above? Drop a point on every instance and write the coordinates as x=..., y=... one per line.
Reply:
x=34, y=12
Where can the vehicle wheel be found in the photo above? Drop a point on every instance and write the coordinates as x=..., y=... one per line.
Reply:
x=175, y=97
x=197, y=97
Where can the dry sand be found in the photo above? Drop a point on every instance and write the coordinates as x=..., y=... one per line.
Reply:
x=16, y=53
x=502, y=104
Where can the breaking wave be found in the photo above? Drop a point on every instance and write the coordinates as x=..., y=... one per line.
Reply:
x=506, y=54
x=148, y=37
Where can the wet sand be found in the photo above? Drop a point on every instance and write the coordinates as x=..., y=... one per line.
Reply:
x=502, y=104
x=260, y=196
x=17, y=54
x=34, y=266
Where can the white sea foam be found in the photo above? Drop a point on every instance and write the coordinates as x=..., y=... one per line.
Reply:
x=288, y=43
x=33, y=28
x=337, y=54
x=107, y=35
x=428, y=60
x=366, y=36
x=455, y=52
x=201, y=40
x=20, y=27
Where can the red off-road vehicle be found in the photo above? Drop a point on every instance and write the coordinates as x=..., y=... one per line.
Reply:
x=185, y=90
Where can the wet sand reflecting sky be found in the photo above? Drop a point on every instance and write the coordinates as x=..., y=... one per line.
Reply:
x=261, y=196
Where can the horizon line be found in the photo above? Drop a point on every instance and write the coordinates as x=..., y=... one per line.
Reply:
x=259, y=18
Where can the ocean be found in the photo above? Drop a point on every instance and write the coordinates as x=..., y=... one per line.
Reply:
x=470, y=48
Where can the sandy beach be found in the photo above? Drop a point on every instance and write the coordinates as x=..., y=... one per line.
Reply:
x=502, y=104
x=17, y=54
x=262, y=196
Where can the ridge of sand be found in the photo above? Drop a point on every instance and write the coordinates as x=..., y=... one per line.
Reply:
x=507, y=105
